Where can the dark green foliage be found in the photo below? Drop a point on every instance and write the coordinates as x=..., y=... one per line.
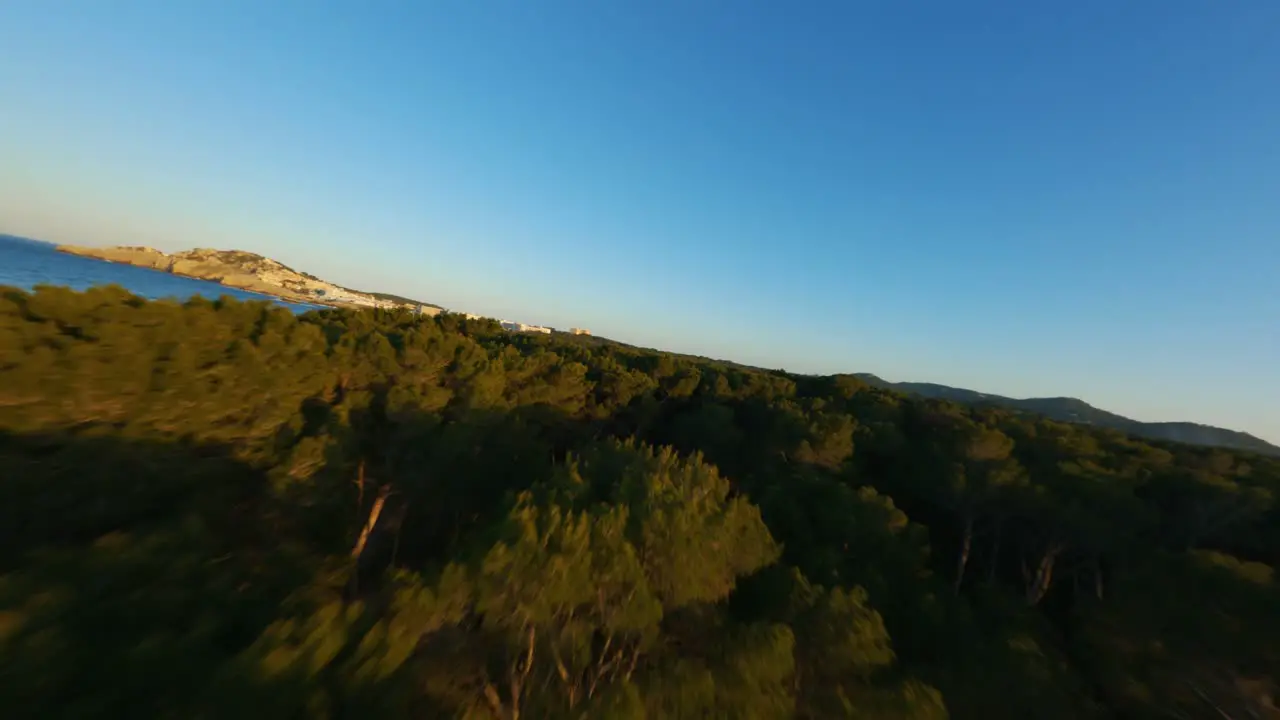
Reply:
x=220, y=509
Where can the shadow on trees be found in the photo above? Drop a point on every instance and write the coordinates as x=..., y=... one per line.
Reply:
x=133, y=570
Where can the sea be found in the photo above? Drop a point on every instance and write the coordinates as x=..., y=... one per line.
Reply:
x=27, y=263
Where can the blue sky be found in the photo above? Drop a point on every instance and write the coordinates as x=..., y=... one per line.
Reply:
x=1028, y=198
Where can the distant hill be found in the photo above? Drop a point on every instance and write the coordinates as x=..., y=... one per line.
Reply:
x=1074, y=410
x=1062, y=409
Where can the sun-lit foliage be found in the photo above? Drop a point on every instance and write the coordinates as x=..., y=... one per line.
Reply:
x=221, y=509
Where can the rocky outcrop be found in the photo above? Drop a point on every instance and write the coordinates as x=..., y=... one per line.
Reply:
x=140, y=256
x=239, y=269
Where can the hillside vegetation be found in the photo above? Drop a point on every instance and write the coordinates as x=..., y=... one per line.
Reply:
x=1078, y=411
x=221, y=509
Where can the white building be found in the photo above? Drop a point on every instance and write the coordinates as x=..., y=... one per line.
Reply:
x=521, y=327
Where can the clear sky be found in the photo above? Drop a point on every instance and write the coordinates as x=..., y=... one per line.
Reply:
x=1023, y=197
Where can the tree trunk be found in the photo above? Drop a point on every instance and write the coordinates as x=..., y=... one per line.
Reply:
x=966, y=543
x=495, y=701
x=519, y=675
x=1097, y=578
x=374, y=513
x=1043, y=578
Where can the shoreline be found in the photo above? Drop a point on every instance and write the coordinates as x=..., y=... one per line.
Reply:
x=286, y=298
x=263, y=293
x=262, y=288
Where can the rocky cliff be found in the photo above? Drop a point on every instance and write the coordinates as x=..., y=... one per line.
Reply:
x=239, y=269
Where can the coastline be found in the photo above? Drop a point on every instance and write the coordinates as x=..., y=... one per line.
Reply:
x=291, y=299
x=236, y=270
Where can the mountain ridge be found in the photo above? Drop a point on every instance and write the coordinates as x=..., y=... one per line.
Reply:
x=1075, y=410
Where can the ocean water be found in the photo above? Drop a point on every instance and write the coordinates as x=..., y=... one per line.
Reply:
x=27, y=263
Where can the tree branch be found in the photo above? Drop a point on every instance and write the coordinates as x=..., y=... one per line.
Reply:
x=374, y=513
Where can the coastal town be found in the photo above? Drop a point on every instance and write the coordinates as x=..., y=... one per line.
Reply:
x=521, y=327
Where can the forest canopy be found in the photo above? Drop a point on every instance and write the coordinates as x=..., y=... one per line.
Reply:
x=222, y=509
